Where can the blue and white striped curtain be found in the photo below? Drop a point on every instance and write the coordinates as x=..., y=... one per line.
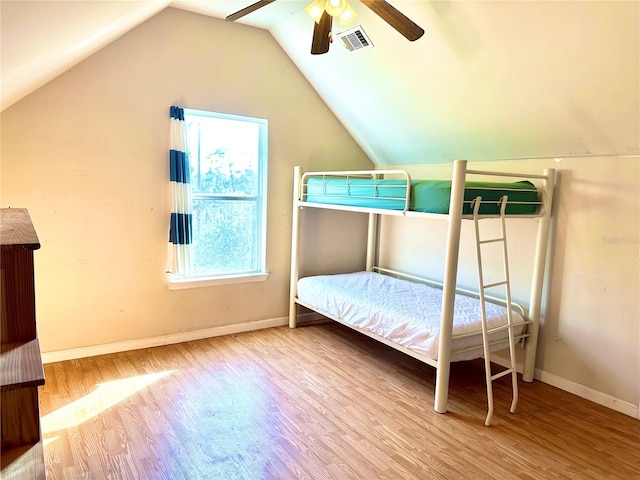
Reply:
x=180, y=233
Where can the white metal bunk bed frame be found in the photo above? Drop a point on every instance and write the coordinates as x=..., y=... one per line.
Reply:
x=454, y=219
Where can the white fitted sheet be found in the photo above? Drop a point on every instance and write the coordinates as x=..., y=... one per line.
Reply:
x=404, y=312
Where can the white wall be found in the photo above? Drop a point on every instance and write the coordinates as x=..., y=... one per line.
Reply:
x=87, y=154
x=589, y=341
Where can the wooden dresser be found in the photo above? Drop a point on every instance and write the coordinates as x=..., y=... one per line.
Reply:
x=21, y=371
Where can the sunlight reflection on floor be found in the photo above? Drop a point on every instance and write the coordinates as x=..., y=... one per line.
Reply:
x=105, y=396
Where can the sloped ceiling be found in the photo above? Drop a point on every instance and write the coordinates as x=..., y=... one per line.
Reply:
x=488, y=80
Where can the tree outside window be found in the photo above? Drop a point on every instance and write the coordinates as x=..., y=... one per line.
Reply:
x=228, y=161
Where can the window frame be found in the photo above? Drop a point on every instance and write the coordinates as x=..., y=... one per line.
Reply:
x=194, y=280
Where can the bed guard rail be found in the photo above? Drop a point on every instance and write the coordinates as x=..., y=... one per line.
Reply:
x=469, y=293
x=543, y=196
x=391, y=186
x=391, y=191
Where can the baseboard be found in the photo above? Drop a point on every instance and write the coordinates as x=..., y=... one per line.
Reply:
x=588, y=393
x=95, y=350
x=574, y=388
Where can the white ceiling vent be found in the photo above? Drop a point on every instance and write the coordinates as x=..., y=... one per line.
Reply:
x=355, y=39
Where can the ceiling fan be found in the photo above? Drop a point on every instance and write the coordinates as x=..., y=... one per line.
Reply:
x=322, y=36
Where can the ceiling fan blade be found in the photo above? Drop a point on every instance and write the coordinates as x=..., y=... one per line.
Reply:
x=393, y=17
x=321, y=35
x=247, y=10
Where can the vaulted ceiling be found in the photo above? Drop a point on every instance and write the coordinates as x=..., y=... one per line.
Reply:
x=488, y=80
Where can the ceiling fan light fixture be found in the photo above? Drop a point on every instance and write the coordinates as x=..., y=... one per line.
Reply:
x=335, y=8
x=315, y=10
x=348, y=15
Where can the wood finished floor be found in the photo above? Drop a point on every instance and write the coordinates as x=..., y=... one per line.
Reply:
x=318, y=402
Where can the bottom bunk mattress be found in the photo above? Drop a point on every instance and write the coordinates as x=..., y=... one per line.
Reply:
x=404, y=312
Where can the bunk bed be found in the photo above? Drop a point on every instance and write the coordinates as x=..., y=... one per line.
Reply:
x=436, y=323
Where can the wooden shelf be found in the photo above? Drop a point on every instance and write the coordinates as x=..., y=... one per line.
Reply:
x=23, y=463
x=16, y=230
x=21, y=365
x=21, y=371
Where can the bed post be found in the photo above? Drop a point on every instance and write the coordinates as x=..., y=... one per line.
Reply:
x=295, y=237
x=449, y=282
x=372, y=238
x=372, y=231
x=537, y=278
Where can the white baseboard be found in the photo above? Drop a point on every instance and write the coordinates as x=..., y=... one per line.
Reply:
x=588, y=393
x=575, y=388
x=95, y=350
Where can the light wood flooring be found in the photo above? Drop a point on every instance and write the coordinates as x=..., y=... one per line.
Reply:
x=318, y=402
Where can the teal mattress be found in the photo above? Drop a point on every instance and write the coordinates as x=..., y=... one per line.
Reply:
x=431, y=196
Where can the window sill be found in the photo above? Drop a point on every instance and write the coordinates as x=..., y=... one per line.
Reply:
x=177, y=282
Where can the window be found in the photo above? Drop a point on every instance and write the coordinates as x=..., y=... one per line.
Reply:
x=228, y=162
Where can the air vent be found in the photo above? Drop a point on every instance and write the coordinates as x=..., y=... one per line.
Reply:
x=355, y=39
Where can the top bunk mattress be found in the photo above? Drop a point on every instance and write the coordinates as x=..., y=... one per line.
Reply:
x=429, y=196
x=404, y=312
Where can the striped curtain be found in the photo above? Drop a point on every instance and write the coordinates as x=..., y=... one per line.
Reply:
x=180, y=231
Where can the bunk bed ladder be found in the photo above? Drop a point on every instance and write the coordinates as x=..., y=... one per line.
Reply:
x=509, y=325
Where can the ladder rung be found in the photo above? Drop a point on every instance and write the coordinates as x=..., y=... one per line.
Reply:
x=497, y=284
x=492, y=240
x=502, y=374
x=498, y=329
